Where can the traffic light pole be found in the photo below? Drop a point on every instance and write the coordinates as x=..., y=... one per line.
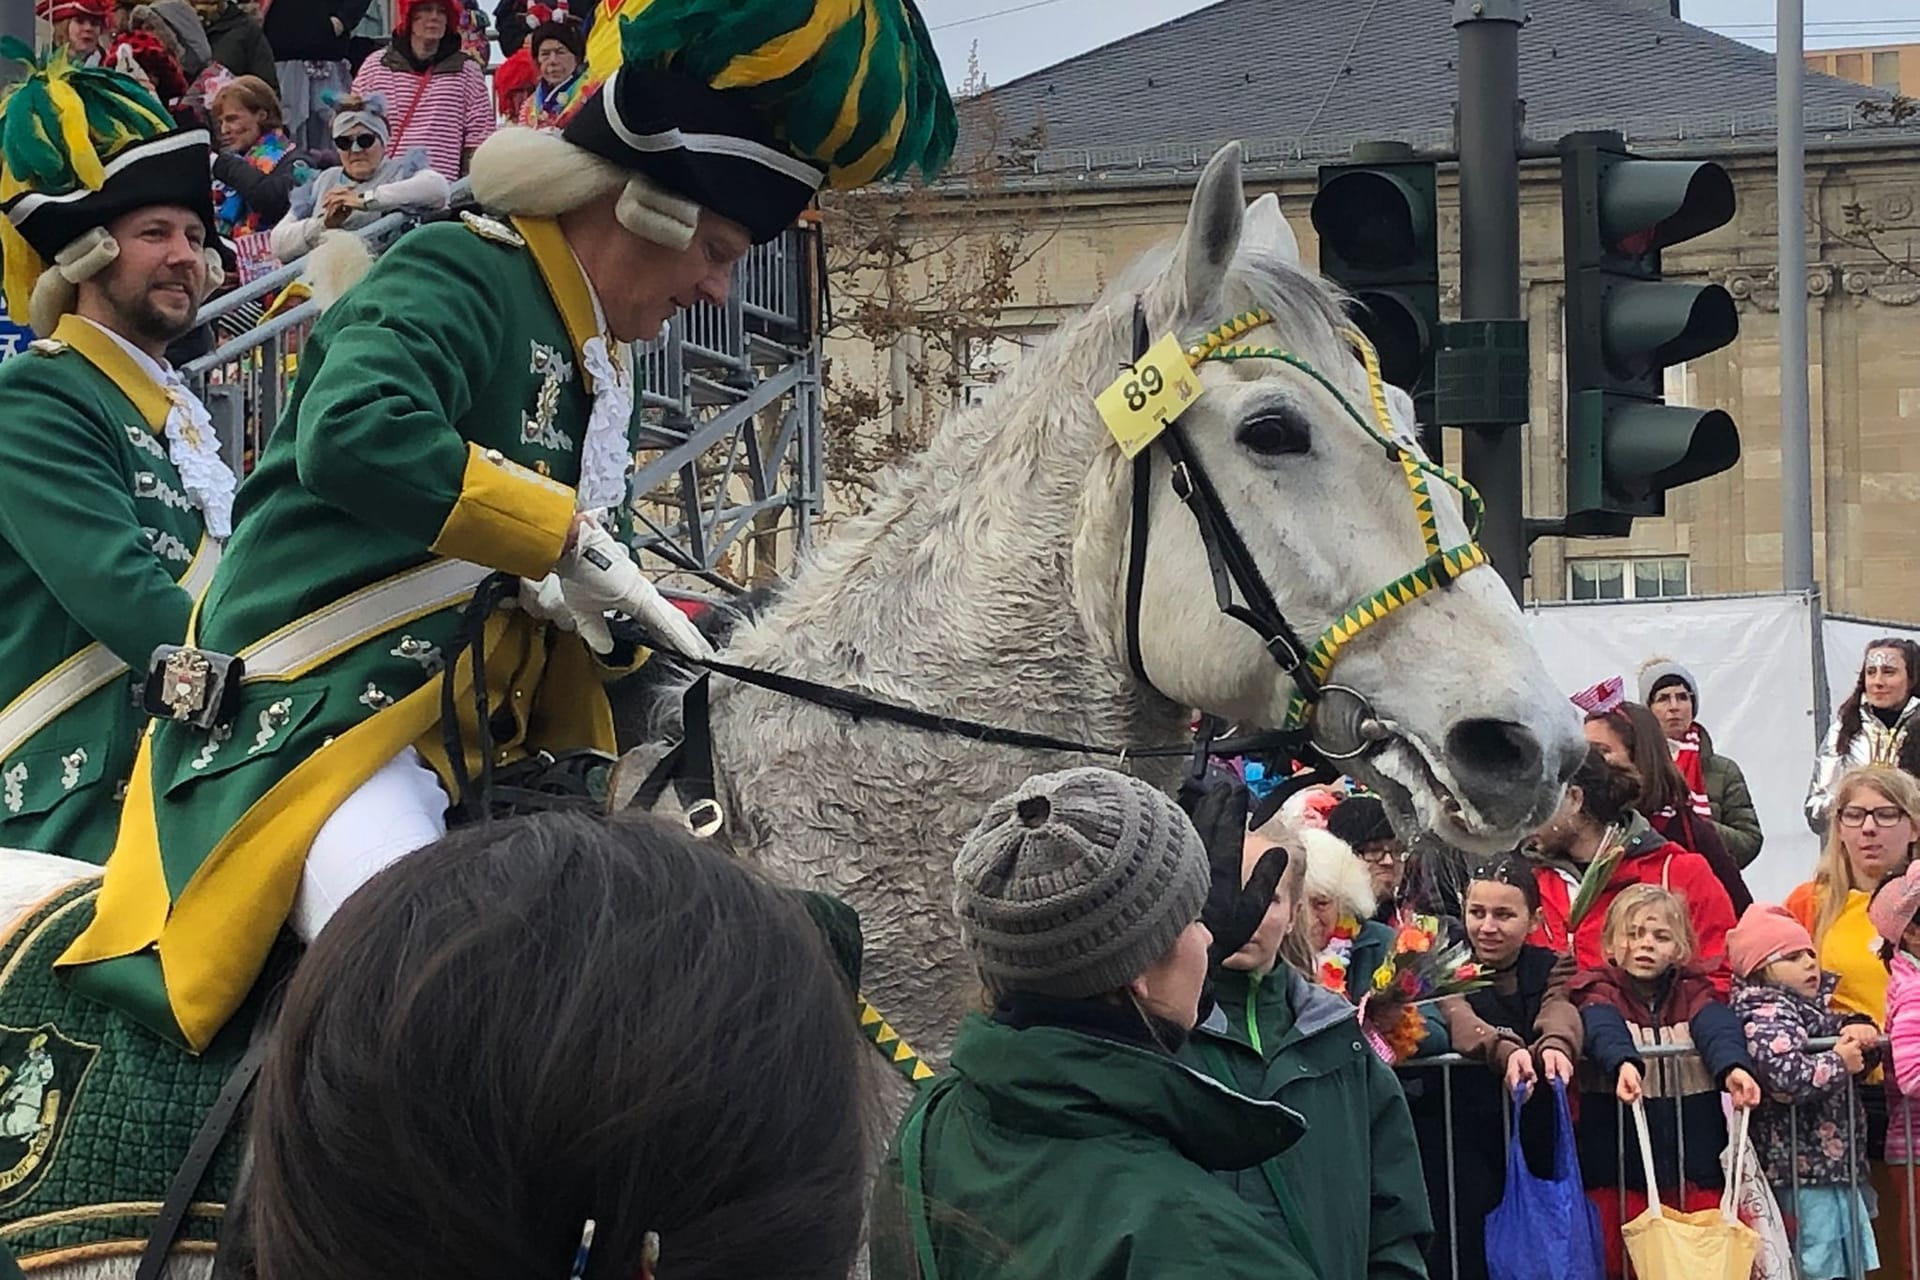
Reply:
x=1493, y=456
x=1796, y=445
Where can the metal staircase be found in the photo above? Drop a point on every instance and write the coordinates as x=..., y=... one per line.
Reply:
x=730, y=443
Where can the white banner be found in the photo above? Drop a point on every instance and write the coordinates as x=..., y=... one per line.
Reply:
x=1753, y=657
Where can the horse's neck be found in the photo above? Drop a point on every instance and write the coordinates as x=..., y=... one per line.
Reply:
x=27, y=879
x=955, y=592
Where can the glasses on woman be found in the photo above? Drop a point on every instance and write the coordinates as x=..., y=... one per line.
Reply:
x=357, y=142
x=1883, y=815
x=1379, y=851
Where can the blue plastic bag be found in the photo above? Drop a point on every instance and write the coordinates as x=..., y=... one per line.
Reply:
x=1545, y=1228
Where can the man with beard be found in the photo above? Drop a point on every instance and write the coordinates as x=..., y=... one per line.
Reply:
x=113, y=493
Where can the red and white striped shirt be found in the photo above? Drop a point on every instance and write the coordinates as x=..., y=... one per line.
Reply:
x=443, y=112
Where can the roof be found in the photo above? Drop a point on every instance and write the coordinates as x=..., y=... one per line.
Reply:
x=1278, y=73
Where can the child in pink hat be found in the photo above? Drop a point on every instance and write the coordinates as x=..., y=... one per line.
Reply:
x=1810, y=1130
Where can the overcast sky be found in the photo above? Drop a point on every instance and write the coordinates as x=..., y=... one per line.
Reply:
x=1018, y=36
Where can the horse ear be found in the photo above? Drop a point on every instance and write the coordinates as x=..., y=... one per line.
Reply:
x=1268, y=231
x=1214, y=223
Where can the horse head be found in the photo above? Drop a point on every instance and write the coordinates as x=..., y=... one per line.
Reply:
x=1416, y=668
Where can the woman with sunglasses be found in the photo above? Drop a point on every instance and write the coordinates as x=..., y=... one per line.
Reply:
x=1874, y=724
x=1875, y=833
x=365, y=185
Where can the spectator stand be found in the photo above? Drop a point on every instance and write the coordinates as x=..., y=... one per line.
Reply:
x=730, y=444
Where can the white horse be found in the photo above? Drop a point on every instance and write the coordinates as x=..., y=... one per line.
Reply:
x=986, y=582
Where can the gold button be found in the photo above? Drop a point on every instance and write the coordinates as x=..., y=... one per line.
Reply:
x=494, y=456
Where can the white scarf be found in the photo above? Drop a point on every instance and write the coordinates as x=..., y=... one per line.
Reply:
x=605, y=453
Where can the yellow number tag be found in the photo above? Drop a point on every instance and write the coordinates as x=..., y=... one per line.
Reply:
x=1145, y=400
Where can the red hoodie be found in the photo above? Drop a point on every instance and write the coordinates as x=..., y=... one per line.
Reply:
x=1650, y=859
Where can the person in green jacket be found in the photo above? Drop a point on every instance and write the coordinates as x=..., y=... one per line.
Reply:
x=113, y=492
x=441, y=483
x=1673, y=695
x=1067, y=1141
x=1352, y=1184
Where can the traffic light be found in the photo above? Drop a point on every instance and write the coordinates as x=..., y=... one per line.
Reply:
x=1379, y=240
x=1625, y=326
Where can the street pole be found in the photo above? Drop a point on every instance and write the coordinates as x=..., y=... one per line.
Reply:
x=1796, y=430
x=1492, y=456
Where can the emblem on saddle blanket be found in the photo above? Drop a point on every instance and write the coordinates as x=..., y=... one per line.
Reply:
x=192, y=686
x=39, y=1071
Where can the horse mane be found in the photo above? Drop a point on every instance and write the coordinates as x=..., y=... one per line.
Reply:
x=1031, y=455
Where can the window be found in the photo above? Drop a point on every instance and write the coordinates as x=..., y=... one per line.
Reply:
x=991, y=359
x=1886, y=69
x=1627, y=578
x=1848, y=66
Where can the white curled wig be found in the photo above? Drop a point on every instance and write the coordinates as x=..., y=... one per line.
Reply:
x=540, y=174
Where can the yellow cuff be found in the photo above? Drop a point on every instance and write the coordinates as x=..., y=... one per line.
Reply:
x=507, y=517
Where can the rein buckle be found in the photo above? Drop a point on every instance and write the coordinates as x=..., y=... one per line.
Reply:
x=1285, y=654
x=1182, y=481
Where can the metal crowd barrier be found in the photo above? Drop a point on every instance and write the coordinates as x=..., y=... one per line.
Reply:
x=1907, y=1264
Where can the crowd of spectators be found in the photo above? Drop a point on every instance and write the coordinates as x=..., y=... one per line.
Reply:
x=426, y=80
x=1629, y=968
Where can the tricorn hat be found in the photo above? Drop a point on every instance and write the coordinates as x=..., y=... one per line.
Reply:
x=79, y=147
x=744, y=107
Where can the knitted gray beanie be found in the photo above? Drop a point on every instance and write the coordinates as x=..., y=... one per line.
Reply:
x=1659, y=671
x=1076, y=883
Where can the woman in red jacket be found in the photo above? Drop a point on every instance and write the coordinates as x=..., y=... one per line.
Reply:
x=1598, y=818
x=1630, y=735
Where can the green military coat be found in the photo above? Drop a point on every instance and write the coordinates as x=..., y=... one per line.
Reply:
x=433, y=434
x=100, y=550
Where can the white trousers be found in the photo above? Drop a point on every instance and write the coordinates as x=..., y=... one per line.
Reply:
x=402, y=807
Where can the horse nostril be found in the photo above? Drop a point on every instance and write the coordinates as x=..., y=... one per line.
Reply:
x=1499, y=748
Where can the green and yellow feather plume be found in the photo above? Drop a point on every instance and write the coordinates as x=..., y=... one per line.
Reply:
x=59, y=128
x=855, y=85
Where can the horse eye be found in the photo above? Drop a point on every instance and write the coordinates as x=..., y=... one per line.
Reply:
x=1275, y=434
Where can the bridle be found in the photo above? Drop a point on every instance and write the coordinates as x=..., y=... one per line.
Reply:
x=1240, y=590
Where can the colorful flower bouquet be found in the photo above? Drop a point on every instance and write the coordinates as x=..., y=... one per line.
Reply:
x=1420, y=969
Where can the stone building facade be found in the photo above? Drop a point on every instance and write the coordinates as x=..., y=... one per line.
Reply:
x=1719, y=536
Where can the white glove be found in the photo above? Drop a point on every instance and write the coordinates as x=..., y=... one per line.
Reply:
x=598, y=575
x=544, y=602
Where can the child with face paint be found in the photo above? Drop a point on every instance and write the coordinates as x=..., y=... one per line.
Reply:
x=1811, y=1130
x=1526, y=1031
x=1651, y=992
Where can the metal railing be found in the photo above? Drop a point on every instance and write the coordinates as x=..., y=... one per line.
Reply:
x=730, y=396
x=1445, y=1206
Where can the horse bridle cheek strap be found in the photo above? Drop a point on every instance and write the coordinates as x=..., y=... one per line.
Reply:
x=1231, y=566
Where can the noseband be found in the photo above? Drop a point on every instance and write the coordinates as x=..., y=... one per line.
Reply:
x=1240, y=590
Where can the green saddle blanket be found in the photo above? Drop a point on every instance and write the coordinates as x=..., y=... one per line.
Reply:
x=96, y=1114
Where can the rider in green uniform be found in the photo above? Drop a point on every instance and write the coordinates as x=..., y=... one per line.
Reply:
x=113, y=493
x=463, y=414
